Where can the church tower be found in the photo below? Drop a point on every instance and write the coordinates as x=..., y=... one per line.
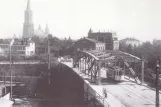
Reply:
x=28, y=26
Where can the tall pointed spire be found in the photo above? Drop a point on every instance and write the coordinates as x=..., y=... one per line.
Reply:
x=89, y=33
x=90, y=30
x=28, y=5
x=28, y=26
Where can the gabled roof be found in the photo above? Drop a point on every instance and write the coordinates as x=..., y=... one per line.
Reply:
x=93, y=40
x=102, y=34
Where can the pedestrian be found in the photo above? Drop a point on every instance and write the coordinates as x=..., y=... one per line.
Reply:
x=105, y=93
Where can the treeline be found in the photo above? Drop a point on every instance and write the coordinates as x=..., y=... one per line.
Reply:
x=61, y=47
x=148, y=51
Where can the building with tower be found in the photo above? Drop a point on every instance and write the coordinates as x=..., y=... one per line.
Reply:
x=37, y=35
x=28, y=25
x=26, y=46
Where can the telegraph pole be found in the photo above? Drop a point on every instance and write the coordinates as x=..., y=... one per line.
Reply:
x=157, y=82
x=142, y=71
x=48, y=54
x=10, y=56
x=10, y=72
x=4, y=81
x=49, y=58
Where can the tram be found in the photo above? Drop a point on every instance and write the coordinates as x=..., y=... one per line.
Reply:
x=115, y=73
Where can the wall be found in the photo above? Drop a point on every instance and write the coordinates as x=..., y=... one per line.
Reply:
x=84, y=44
x=66, y=87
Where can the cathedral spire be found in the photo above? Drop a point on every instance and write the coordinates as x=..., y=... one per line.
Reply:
x=90, y=30
x=28, y=5
x=28, y=26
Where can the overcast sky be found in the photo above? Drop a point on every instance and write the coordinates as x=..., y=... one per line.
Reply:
x=128, y=18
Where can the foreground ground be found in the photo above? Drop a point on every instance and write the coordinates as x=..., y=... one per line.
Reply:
x=126, y=93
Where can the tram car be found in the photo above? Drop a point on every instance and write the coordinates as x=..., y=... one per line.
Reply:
x=115, y=73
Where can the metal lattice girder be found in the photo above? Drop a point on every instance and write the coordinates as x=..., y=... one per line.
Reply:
x=91, y=55
x=125, y=56
x=94, y=56
x=97, y=53
x=77, y=59
x=91, y=66
x=106, y=55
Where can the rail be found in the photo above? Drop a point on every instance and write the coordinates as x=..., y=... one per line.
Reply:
x=96, y=96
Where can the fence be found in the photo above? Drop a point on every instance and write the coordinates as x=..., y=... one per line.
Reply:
x=93, y=97
x=22, y=79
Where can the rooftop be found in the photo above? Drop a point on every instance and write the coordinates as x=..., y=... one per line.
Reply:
x=93, y=40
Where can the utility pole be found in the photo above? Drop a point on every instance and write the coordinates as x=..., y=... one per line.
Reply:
x=48, y=53
x=4, y=81
x=10, y=72
x=49, y=58
x=142, y=71
x=10, y=56
x=157, y=82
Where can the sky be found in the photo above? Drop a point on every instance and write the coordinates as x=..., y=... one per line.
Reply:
x=140, y=19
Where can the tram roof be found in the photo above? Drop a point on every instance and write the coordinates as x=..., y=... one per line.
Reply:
x=109, y=55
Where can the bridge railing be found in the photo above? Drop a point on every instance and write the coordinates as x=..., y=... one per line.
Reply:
x=21, y=79
x=95, y=97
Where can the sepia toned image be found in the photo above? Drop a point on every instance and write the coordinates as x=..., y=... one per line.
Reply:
x=80, y=53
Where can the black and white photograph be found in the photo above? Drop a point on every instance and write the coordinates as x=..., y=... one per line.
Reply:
x=80, y=53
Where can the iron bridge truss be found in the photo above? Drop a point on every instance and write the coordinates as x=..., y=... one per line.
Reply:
x=90, y=62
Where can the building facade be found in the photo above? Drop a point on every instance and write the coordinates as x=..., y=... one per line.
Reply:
x=110, y=39
x=30, y=48
x=20, y=48
x=89, y=44
x=26, y=46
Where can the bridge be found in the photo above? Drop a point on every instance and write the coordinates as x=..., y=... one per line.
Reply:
x=94, y=67
x=92, y=61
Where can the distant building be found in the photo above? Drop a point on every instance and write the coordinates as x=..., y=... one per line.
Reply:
x=110, y=39
x=31, y=41
x=41, y=48
x=30, y=48
x=131, y=41
x=20, y=48
x=157, y=42
x=89, y=44
x=28, y=26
